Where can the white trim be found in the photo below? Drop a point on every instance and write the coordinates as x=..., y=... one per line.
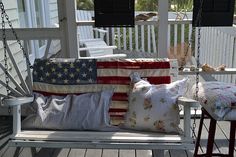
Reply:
x=34, y=33
x=67, y=23
x=162, y=28
x=71, y=29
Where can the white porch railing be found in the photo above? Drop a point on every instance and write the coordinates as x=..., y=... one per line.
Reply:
x=143, y=37
x=218, y=46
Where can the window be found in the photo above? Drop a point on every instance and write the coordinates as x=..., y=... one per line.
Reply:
x=33, y=14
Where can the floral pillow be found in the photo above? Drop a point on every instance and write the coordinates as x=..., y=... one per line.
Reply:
x=218, y=98
x=154, y=107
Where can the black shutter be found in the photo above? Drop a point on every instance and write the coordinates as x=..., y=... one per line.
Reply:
x=214, y=13
x=114, y=13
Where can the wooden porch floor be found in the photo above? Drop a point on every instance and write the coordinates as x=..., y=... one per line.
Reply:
x=221, y=146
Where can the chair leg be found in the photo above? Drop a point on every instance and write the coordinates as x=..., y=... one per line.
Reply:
x=232, y=138
x=211, y=137
x=197, y=143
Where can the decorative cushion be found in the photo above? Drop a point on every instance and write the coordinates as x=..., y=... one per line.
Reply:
x=218, y=98
x=72, y=112
x=154, y=107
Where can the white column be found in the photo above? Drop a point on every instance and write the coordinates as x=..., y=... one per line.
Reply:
x=68, y=27
x=163, y=27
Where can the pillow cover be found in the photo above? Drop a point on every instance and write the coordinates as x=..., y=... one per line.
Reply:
x=154, y=107
x=218, y=98
x=72, y=112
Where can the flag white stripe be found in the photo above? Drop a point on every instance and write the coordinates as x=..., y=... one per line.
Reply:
x=119, y=104
x=70, y=89
x=127, y=72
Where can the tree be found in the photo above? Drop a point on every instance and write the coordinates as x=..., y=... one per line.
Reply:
x=85, y=4
x=146, y=5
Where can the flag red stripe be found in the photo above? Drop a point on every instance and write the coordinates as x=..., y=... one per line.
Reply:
x=115, y=97
x=117, y=110
x=159, y=80
x=113, y=80
x=133, y=65
x=126, y=80
x=120, y=97
x=117, y=116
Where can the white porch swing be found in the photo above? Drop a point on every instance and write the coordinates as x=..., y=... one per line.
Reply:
x=158, y=142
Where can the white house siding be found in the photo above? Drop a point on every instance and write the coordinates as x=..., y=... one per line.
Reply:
x=11, y=10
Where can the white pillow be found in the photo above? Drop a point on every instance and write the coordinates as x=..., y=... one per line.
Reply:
x=218, y=98
x=154, y=107
x=73, y=112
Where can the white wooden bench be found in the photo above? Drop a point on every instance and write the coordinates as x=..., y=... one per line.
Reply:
x=158, y=142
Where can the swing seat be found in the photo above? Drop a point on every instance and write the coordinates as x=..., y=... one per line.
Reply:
x=122, y=139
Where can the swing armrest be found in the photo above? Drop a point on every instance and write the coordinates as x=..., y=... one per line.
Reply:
x=188, y=104
x=100, y=30
x=10, y=102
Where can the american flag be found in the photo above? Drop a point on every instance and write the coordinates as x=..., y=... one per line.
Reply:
x=67, y=76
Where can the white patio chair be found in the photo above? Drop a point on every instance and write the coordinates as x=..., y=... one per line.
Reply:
x=94, y=47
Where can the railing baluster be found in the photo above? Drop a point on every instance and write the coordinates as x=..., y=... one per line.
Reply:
x=175, y=38
x=219, y=40
x=107, y=36
x=231, y=56
x=113, y=36
x=190, y=33
x=124, y=38
x=234, y=60
x=148, y=39
x=182, y=38
x=154, y=39
x=136, y=38
x=118, y=37
x=142, y=38
x=168, y=37
x=227, y=56
x=130, y=39
x=214, y=46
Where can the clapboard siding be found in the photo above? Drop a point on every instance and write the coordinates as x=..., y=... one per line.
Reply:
x=12, y=11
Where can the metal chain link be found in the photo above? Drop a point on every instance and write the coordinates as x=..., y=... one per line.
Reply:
x=5, y=49
x=14, y=33
x=198, y=20
x=5, y=52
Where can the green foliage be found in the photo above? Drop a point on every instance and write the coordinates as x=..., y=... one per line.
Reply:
x=175, y=5
x=181, y=5
x=146, y=5
x=85, y=4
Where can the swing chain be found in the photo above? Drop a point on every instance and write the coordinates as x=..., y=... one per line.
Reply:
x=14, y=33
x=199, y=16
x=5, y=49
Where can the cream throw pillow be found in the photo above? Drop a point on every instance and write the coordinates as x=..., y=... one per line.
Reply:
x=154, y=107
